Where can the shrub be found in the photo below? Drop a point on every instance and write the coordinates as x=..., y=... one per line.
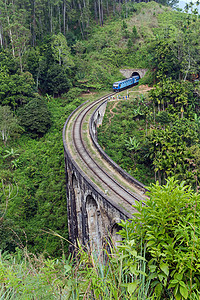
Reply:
x=35, y=117
x=167, y=227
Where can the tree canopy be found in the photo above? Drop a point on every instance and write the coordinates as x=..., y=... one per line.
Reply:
x=35, y=117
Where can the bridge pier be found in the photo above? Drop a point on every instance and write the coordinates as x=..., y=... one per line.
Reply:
x=92, y=219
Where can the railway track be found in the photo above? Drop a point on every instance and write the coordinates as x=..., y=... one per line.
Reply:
x=105, y=177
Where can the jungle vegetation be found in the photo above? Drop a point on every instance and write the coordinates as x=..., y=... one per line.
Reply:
x=158, y=260
x=52, y=54
x=156, y=135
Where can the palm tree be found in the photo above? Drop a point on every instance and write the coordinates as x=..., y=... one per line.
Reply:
x=132, y=144
x=11, y=153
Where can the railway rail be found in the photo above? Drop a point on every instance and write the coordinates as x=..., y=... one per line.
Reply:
x=122, y=192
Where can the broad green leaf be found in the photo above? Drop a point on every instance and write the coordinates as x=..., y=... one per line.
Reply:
x=158, y=289
x=178, y=276
x=184, y=291
x=133, y=269
x=182, y=284
x=178, y=296
x=164, y=267
x=154, y=283
x=152, y=276
x=152, y=268
x=141, y=258
x=160, y=276
x=134, y=253
x=173, y=283
x=132, y=287
x=150, y=243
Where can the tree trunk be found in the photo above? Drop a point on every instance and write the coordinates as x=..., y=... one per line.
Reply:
x=11, y=37
x=20, y=61
x=99, y=6
x=113, y=7
x=59, y=19
x=101, y=12
x=107, y=6
x=34, y=26
x=67, y=25
x=1, y=35
x=50, y=16
x=81, y=29
x=41, y=28
x=64, y=17
x=95, y=11
x=126, y=9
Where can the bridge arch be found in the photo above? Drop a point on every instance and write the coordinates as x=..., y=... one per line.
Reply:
x=74, y=182
x=116, y=238
x=72, y=209
x=94, y=223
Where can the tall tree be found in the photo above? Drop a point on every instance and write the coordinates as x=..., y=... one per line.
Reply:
x=8, y=123
x=61, y=51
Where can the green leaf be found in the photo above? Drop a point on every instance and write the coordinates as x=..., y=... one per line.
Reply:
x=184, y=291
x=142, y=273
x=133, y=269
x=173, y=283
x=152, y=276
x=67, y=268
x=150, y=243
x=164, y=267
x=182, y=284
x=161, y=277
x=132, y=287
x=152, y=268
x=134, y=253
x=158, y=289
x=178, y=276
x=178, y=296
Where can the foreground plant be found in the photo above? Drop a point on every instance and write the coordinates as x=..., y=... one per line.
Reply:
x=158, y=258
x=115, y=274
x=26, y=276
x=168, y=228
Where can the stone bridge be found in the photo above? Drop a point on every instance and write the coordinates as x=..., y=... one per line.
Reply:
x=131, y=72
x=93, y=215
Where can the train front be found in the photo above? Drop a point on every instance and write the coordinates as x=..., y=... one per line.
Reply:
x=116, y=86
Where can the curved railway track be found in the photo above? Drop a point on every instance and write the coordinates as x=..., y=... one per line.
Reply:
x=102, y=175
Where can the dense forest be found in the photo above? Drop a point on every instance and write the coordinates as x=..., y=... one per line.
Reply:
x=53, y=56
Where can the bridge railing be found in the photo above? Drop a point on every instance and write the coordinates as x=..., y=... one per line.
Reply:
x=93, y=135
x=124, y=214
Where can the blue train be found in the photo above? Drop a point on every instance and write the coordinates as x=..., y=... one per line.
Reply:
x=123, y=84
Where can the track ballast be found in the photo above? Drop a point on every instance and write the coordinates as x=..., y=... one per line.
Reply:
x=97, y=170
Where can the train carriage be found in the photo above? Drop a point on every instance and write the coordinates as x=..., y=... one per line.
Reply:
x=123, y=84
